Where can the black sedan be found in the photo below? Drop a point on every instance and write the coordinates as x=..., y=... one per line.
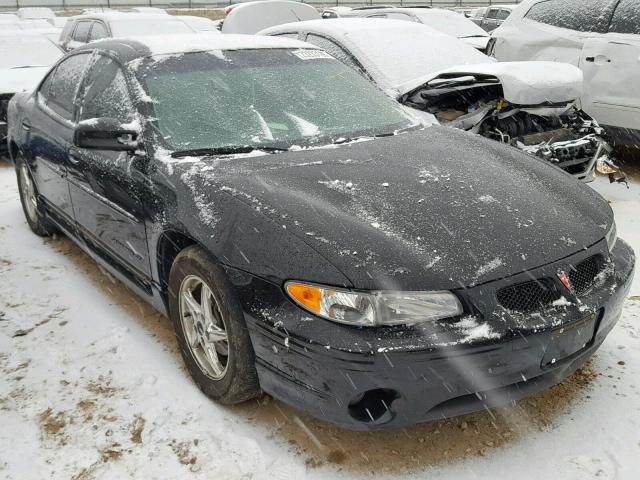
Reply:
x=308, y=238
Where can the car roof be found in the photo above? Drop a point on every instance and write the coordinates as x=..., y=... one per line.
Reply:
x=111, y=16
x=344, y=26
x=128, y=49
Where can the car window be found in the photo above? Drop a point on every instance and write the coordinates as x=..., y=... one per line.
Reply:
x=578, y=15
x=105, y=93
x=81, y=33
x=45, y=86
x=503, y=14
x=64, y=84
x=98, y=31
x=493, y=13
x=335, y=50
x=626, y=18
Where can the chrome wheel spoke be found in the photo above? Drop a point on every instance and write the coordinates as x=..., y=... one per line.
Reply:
x=192, y=305
x=204, y=327
x=216, y=334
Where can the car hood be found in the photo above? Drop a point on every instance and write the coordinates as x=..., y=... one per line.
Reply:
x=433, y=209
x=13, y=80
x=523, y=83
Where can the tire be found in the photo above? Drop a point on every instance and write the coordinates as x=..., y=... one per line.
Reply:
x=194, y=275
x=31, y=205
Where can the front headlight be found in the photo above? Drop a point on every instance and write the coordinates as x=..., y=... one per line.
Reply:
x=374, y=308
x=612, y=236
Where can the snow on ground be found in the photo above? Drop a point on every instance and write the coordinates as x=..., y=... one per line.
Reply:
x=92, y=386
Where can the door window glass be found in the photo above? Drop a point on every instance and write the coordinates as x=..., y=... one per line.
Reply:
x=98, y=31
x=503, y=14
x=333, y=49
x=492, y=14
x=81, y=33
x=626, y=18
x=106, y=94
x=579, y=15
x=64, y=85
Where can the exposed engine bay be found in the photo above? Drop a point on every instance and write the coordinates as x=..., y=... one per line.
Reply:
x=559, y=133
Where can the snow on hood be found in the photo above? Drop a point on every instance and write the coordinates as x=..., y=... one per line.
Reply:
x=414, y=210
x=477, y=42
x=21, y=79
x=523, y=83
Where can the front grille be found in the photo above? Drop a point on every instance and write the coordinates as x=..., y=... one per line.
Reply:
x=528, y=296
x=583, y=275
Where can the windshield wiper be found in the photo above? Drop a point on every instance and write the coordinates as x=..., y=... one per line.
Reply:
x=475, y=36
x=226, y=150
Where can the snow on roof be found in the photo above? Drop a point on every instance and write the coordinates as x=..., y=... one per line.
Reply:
x=202, y=42
x=393, y=52
x=112, y=15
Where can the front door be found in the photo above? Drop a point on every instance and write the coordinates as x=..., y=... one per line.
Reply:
x=108, y=188
x=49, y=132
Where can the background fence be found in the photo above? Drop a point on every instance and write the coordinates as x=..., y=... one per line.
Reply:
x=7, y=5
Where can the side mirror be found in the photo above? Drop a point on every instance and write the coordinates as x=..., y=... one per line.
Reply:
x=107, y=134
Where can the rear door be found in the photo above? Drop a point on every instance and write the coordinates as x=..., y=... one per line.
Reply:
x=108, y=188
x=49, y=127
x=611, y=66
x=490, y=21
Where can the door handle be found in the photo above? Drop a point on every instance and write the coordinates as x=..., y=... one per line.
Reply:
x=73, y=156
x=590, y=59
x=600, y=59
x=26, y=126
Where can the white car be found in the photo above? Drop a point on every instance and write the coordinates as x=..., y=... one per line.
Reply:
x=530, y=105
x=251, y=17
x=87, y=28
x=25, y=57
x=446, y=21
x=599, y=36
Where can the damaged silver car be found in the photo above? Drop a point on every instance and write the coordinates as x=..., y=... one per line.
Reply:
x=530, y=105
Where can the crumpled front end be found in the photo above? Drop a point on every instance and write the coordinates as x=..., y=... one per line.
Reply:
x=559, y=133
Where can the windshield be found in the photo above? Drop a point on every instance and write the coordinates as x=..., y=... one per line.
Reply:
x=404, y=54
x=27, y=50
x=451, y=24
x=126, y=28
x=263, y=97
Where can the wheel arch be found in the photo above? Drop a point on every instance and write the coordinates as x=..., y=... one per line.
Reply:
x=170, y=243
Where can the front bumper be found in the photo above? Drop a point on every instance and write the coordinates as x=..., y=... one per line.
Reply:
x=383, y=378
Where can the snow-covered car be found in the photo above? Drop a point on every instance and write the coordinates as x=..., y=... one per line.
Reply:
x=602, y=37
x=150, y=10
x=530, y=105
x=201, y=24
x=334, y=12
x=87, y=28
x=25, y=57
x=445, y=21
x=492, y=17
x=308, y=238
x=251, y=17
x=35, y=13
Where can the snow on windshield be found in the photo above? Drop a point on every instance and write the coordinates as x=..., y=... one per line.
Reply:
x=255, y=98
x=451, y=23
x=403, y=54
x=126, y=28
x=27, y=50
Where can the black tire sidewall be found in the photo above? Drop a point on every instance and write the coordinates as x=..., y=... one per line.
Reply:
x=240, y=382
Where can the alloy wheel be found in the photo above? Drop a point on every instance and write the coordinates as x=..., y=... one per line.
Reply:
x=203, y=326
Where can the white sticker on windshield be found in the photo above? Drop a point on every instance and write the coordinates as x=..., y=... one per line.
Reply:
x=308, y=54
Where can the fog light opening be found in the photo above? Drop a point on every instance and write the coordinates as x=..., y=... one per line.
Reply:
x=373, y=406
